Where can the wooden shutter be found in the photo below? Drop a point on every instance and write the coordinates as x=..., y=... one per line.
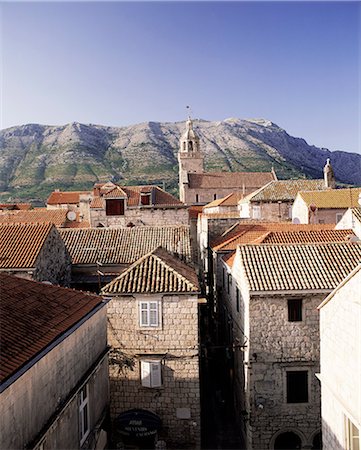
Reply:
x=153, y=314
x=156, y=374
x=143, y=314
x=145, y=373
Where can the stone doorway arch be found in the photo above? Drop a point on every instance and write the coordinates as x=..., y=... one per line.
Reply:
x=287, y=440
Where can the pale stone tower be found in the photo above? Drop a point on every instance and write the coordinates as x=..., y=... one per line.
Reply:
x=329, y=176
x=190, y=158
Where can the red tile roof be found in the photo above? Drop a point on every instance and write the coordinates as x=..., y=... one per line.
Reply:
x=15, y=206
x=305, y=237
x=37, y=215
x=21, y=244
x=156, y=272
x=33, y=315
x=60, y=198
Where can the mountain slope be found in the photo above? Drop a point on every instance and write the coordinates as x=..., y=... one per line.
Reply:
x=35, y=159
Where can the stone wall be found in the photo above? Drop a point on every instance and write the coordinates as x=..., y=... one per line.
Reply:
x=341, y=362
x=175, y=342
x=273, y=212
x=141, y=216
x=53, y=263
x=29, y=402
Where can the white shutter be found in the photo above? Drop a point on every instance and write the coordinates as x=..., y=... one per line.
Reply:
x=153, y=314
x=156, y=374
x=145, y=373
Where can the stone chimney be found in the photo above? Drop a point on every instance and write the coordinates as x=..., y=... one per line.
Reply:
x=329, y=176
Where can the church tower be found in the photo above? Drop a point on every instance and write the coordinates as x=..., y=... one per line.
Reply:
x=190, y=158
x=329, y=176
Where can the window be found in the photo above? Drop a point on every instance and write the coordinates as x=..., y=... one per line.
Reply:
x=297, y=386
x=197, y=198
x=148, y=314
x=295, y=310
x=256, y=211
x=84, y=413
x=237, y=299
x=145, y=199
x=229, y=282
x=352, y=435
x=214, y=196
x=114, y=207
x=338, y=217
x=151, y=373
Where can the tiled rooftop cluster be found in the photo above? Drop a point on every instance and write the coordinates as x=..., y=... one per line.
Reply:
x=156, y=272
x=124, y=245
x=33, y=315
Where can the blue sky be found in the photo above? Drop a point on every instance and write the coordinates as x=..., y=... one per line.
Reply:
x=118, y=63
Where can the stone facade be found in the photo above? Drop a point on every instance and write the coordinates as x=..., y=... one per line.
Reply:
x=138, y=216
x=269, y=211
x=267, y=346
x=41, y=408
x=341, y=363
x=175, y=344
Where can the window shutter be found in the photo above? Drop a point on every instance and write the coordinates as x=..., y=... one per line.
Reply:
x=145, y=373
x=144, y=319
x=156, y=374
x=153, y=314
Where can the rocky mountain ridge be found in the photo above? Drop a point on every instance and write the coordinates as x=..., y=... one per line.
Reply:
x=35, y=159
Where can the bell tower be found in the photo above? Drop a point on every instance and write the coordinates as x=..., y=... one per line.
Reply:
x=329, y=176
x=190, y=158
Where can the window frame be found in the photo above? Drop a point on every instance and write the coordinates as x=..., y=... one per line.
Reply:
x=120, y=207
x=84, y=412
x=256, y=212
x=150, y=366
x=350, y=436
x=295, y=313
x=148, y=322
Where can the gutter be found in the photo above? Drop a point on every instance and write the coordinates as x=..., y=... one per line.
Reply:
x=9, y=381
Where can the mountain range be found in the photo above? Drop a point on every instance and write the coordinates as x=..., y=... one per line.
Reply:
x=36, y=159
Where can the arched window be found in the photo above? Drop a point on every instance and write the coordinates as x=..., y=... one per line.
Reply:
x=288, y=440
x=190, y=146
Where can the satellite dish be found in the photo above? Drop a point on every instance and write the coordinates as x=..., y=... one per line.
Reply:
x=71, y=215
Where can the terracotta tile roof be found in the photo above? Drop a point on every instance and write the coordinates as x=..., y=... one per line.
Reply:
x=250, y=232
x=332, y=198
x=124, y=245
x=194, y=211
x=21, y=244
x=75, y=224
x=15, y=206
x=33, y=315
x=356, y=212
x=116, y=192
x=97, y=202
x=230, y=180
x=229, y=258
x=284, y=190
x=37, y=215
x=305, y=237
x=156, y=272
x=222, y=215
x=70, y=197
x=160, y=198
x=298, y=267
x=229, y=200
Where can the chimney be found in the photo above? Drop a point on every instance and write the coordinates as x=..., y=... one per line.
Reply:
x=329, y=176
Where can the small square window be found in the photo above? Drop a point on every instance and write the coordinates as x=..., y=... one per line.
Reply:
x=151, y=373
x=295, y=310
x=297, y=386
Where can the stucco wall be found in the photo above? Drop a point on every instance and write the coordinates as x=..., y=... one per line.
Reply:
x=348, y=222
x=29, y=402
x=340, y=330
x=177, y=341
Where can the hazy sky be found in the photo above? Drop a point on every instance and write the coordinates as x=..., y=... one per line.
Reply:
x=117, y=63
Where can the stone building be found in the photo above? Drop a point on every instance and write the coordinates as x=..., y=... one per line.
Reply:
x=324, y=206
x=273, y=202
x=69, y=200
x=54, y=367
x=34, y=251
x=228, y=204
x=340, y=376
x=271, y=293
x=99, y=254
x=154, y=370
x=199, y=187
